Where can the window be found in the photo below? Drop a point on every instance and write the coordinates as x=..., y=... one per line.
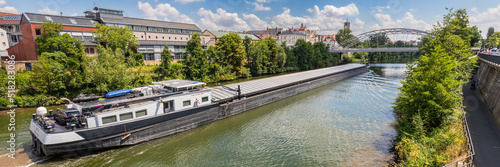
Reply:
x=49, y=18
x=186, y=103
x=3, y=43
x=87, y=50
x=13, y=38
x=126, y=116
x=156, y=37
x=140, y=113
x=204, y=99
x=28, y=66
x=168, y=37
x=175, y=38
x=110, y=119
x=181, y=38
x=142, y=36
x=72, y=21
x=38, y=31
x=149, y=37
x=91, y=50
x=2, y=34
x=162, y=37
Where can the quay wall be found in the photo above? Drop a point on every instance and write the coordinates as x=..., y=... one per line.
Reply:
x=488, y=80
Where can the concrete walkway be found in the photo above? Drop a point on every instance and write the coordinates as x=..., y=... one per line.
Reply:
x=484, y=130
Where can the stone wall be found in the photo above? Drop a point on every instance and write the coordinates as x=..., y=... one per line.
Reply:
x=489, y=84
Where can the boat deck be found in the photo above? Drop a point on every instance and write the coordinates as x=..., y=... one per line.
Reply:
x=249, y=88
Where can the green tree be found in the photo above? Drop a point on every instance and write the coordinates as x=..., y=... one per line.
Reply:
x=494, y=40
x=232, y=51
x=291, y=60
x=475, y=36
x=303, y=51
x=115, y=37
x=164, y=70
x=109, y=71
x=491, y=30
x=257, y=54
x=195, y=62
x=50, y=41
x=342, y=35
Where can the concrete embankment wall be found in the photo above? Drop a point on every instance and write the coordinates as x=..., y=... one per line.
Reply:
x=243, y=105
x=489, y=83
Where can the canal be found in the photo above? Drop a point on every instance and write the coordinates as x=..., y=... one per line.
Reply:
x=346, y=123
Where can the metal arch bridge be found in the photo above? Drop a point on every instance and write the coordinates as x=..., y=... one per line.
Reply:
x=346, y=45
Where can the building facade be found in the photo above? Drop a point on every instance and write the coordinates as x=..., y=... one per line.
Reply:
x=215, y=36
x=10, y=32
x=291, y=35
x=329, y=40
x=151, y=34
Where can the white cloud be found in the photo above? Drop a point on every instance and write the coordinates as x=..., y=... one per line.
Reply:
x=2, y=2
x=261, y=7
x=485, y=19
x=47, y=10
x=9, y=9
x=412, y=10
x=74, y=14
x=221, y=20
x=263, y=1
x=187, y=1
x=165, y=10
x=330, y=18
x=381, y=8
x=255, y=21
x=385, y=21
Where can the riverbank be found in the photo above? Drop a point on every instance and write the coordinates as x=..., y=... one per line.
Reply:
x=342, y=124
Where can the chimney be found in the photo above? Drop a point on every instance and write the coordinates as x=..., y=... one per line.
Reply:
x=301, y=25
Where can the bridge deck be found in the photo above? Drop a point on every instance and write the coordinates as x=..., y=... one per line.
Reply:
x=409, y=49
x=249, y=88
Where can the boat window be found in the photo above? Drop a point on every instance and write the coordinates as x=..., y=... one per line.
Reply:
x=204, y=99
x=126, y=116
x=110, y=119
x=140, y=113
x=186, y=103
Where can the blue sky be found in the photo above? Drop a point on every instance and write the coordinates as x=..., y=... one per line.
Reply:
x=326, y=16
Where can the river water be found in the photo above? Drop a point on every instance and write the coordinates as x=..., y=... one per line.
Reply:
x=346, y=123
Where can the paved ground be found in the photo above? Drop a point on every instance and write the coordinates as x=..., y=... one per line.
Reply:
x=483, y=128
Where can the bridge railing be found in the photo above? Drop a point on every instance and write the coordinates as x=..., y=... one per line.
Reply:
x=493, y=60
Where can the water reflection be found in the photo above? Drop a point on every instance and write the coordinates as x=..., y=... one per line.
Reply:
x=347, y=123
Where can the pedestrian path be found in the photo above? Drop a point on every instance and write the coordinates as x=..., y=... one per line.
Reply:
x=485, y=132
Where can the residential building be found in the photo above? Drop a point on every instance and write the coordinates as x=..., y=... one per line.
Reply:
x=215, y=36
x=151, y=34
x=310, y=36
x=10, y=23
x=329, y=40
x=10, y=32
x=268, y=32
x=290, y=37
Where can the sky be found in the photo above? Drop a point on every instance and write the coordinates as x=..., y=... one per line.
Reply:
x=324, y=16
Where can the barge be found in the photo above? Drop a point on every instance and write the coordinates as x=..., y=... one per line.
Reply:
x=128, y=117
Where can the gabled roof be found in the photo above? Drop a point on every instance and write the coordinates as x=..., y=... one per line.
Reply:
x=219, y=34
x=152, y=23
x=332, y=37
x=64, y=20
x=9, y=18
x=291, y=32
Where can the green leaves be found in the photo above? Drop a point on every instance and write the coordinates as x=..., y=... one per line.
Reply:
x=232, y=51
x=115, y=37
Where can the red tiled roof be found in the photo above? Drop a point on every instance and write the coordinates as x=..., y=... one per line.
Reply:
x=9, y=14
x=332, y=37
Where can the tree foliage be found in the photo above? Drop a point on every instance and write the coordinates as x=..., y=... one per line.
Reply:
x=494, y=40
x=50, y=40
x=115, y=37
x=232, y=51
x=343, y=35
x=475, y=36
x=428, y=106
x=491, y=30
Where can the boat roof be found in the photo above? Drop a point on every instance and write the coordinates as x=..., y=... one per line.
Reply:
x=179, y=83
